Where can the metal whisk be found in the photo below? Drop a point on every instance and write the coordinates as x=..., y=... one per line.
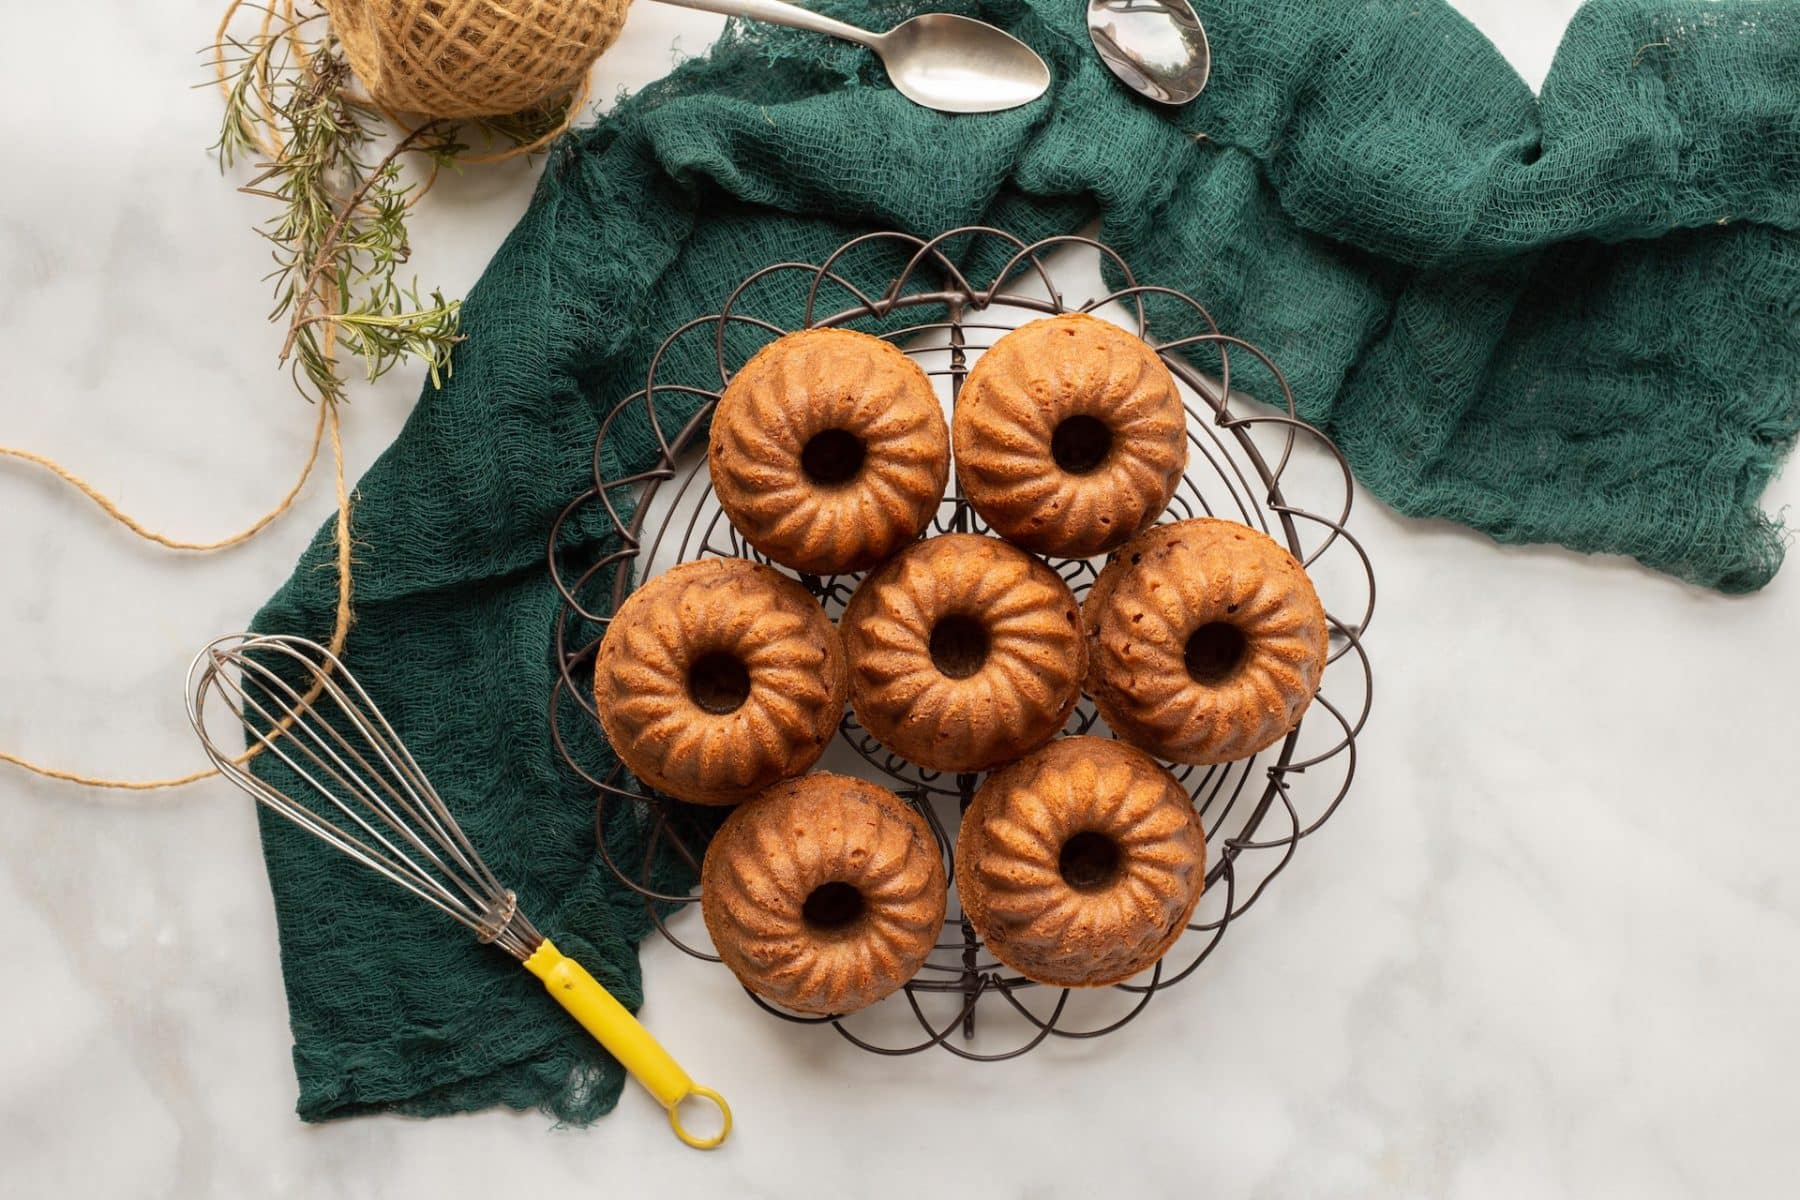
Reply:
x=368, y=797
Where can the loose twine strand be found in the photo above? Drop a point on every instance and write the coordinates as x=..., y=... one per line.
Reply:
x=328, y=424
x=162, y=539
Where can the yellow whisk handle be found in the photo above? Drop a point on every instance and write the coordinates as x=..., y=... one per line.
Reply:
x=614, y=1027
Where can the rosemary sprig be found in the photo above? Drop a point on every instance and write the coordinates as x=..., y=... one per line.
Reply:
x=338, y=238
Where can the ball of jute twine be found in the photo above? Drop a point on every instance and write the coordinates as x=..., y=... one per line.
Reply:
x=472, y=58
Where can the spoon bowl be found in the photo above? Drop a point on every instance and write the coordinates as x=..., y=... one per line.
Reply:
x=955, y=64
x=938, y=60
x=1157, y=47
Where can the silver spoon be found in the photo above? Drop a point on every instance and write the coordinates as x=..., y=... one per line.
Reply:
x=950, y=63
x=1156, y=46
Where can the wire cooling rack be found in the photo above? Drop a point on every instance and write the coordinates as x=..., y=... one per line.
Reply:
x=1247, y=462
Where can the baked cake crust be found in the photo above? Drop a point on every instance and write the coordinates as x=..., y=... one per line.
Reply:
x=829, y=451
x=1206, y=641
x=1070, y=436
x=824, y=894
x=1080, y=865
x=719, y=677
x=964, y=652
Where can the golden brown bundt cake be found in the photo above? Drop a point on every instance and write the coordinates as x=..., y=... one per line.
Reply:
x=1070, y=436
x=719, y=677
x=1206, y=641
x=965, y=652
x=823, y=894
x=829, y=451
x=1080, y=865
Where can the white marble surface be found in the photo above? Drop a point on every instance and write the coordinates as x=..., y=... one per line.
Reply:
x=1551, y=947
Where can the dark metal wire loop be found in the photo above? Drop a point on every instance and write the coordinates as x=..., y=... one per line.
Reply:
x=1239, y=468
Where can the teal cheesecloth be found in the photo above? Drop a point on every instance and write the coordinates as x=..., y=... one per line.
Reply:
x=1572, y=317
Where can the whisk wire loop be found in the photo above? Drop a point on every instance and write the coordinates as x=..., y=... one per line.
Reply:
x=354, y=761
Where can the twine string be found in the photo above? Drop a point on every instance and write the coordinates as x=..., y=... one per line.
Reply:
x=112, y=510
x=329, y=422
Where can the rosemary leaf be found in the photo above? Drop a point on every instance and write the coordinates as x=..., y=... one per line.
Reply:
x=332, y=168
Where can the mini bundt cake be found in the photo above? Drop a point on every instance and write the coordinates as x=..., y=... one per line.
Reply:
x=1080, y=865
x=1206, y=641
x=965, y=652
x=823, y=894
x=829, y=451
x=1070, y=436
x=719, y=677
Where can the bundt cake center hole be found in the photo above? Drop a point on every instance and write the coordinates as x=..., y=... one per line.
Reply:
x=719, y=682
x=832, y=906
x=832, y=456
x=1089, y=861
x=1214, y=651
x=1080, y=444
x=959, y=645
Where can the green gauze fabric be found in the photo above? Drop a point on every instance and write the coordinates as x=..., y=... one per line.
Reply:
x=1571, y=318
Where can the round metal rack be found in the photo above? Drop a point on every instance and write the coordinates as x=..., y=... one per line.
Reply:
x=1247, y=462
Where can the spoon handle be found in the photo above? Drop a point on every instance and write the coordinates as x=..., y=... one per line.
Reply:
x=778, y=12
